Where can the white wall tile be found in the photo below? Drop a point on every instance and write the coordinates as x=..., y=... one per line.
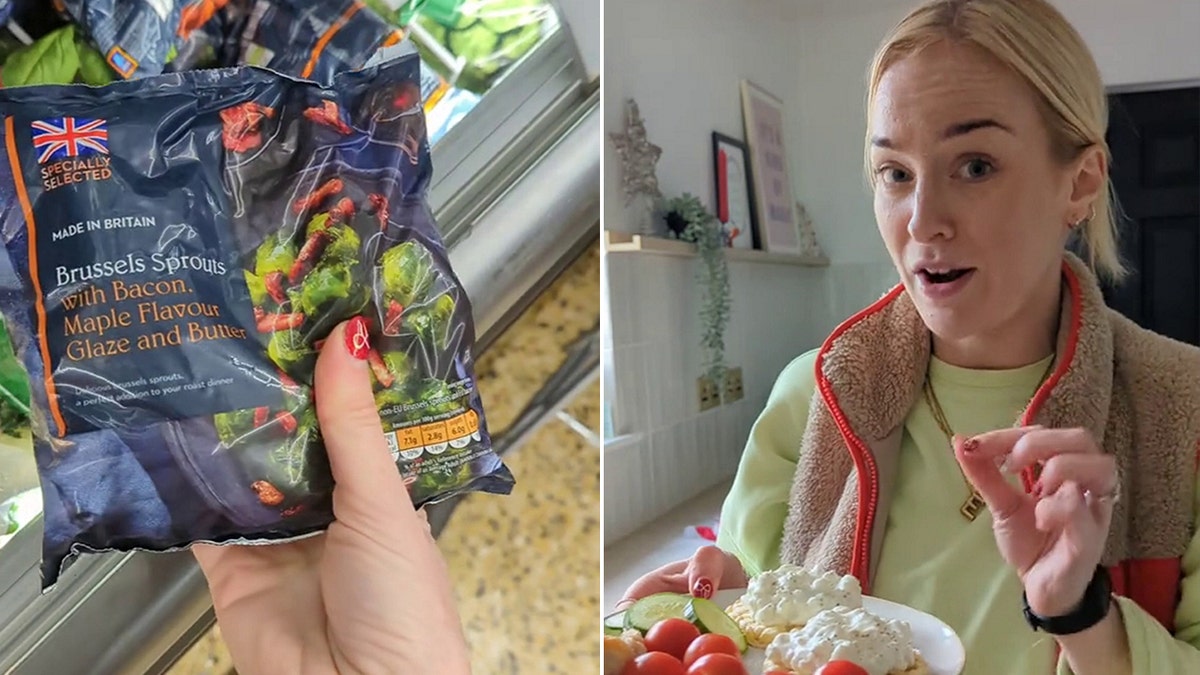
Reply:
x=672, y=396
x=629, y=366
x=618, y=492
x=622, y=300
x=667, y=474
x=655, y=289
x=709, y=438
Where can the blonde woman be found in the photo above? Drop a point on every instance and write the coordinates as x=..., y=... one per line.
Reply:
x=988, y=443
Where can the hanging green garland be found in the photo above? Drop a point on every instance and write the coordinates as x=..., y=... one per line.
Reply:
x=687, y=219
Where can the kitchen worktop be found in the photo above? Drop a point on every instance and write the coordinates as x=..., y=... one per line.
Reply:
x=526, y=566
x=667, y=538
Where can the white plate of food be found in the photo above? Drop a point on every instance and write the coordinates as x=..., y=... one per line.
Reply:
x=938, y=644
x=804, y=621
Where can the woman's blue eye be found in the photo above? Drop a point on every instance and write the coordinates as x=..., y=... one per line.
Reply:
x=893, y=175
x=977, y=168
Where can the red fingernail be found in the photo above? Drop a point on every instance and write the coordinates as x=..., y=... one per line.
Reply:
x=358, y=342
x=971, y=445
x=703, y=588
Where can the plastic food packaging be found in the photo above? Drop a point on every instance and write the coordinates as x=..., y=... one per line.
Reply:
x=62, y=56
x=316, y=39
x=471, y=43
x=313, y=40
x=182, y=244
x=135, y=37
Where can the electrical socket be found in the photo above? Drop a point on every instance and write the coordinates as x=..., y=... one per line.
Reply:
x=733, y=385
x=710, y=395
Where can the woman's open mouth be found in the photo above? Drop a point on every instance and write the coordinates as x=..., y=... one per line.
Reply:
x=943, y=276
x=943, y=283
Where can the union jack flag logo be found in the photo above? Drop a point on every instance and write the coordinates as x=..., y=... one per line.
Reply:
x=63, y=137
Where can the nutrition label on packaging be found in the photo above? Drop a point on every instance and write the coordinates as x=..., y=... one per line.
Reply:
x=434, y=438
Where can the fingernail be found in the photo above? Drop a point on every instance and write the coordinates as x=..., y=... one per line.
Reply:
x=971, y=445
x=1005, y=464
x=358, y=341
x=703, y=588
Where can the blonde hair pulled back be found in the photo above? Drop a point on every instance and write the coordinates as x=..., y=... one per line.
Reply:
x=1033, y=39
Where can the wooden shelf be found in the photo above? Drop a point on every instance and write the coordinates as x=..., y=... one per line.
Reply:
x=622, y=242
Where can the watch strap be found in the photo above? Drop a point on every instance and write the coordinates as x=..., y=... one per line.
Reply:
x=1096, y=603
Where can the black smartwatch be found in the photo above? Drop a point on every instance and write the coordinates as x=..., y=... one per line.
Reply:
x=1097, y=601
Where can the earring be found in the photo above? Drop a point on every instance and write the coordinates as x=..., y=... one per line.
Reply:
x=1082, y=222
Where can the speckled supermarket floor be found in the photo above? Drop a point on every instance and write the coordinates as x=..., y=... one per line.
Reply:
x=526, y=566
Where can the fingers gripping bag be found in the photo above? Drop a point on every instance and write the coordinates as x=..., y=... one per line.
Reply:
x=182, y=244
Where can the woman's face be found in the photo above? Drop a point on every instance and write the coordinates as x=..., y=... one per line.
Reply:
x=972, y=206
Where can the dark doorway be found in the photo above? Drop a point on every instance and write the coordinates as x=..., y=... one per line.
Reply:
x=1155, y=141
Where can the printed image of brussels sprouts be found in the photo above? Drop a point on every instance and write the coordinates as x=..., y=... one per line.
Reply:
x=397, y=371
x=257, y=288
x=322, y=286
x=287, y=472
x=276, y=254
x=408, y=273
x=344, y=245
x=287, y=349
x=233, y=425
x=391, y=377
x=296, y=397
x=391, y=396
x=318, y=223
x=438, y=481
x=292, y=455
x=433, y=389
x=433, y=322
x=420, y=392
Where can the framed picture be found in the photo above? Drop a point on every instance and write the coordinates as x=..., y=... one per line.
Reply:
x=735, y=203
x=762, y=114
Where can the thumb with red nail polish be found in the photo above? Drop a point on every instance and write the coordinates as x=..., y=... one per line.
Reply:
x=372, y=593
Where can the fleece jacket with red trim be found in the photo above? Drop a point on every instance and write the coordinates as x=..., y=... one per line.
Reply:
x=1137, y=392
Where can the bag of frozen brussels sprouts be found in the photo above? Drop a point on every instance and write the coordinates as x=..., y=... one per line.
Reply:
x=181, y=246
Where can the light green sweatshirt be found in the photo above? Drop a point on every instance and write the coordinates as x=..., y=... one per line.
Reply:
x=932, y=558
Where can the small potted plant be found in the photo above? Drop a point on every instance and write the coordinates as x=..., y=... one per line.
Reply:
x=689, y=221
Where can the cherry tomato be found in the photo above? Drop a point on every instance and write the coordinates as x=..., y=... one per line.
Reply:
x=671, y=636
x=617, y=655
x=655, y=663
x=717, y=664
x=841, y=668
x=710, y=643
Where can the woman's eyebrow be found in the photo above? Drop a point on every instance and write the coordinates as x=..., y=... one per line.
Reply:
x=956, y=129
x=968, y=126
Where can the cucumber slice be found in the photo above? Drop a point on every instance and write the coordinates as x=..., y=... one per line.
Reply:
x=654, y=608
x=710, y=618
x=614, y=624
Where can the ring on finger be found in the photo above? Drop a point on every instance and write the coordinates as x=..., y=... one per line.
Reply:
x=1111, y=497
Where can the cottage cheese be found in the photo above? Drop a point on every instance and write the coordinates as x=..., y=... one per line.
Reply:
x=791, y=595
x=879, y=645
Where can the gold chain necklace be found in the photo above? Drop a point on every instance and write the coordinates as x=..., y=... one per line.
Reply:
x=974, y=503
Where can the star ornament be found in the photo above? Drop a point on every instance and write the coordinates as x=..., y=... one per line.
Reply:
x=637, y=154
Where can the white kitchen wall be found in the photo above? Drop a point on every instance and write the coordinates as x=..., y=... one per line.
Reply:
x=670, y=451
x=682, y=60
